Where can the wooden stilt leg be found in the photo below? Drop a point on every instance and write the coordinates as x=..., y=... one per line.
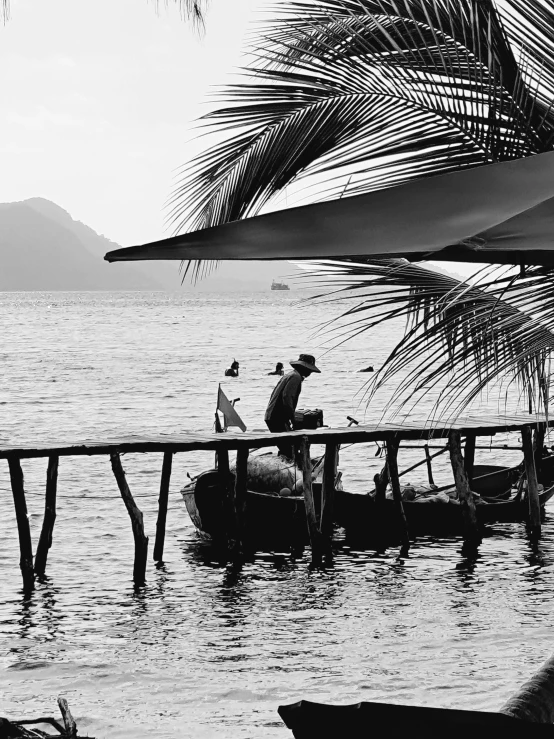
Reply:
x=306, y=467
x=538, y=444
x=241, y=477
x=392, y=462
x=381, y=481
x=429, y=465
x=229, y=534
x=24, y=530
x=532, y=485
x=162, y=507
x=45, y=541
x=328, y=497
x=471, y=534
x=469, y=457
x=137, y=523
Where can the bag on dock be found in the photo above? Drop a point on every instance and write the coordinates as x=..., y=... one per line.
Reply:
x=308, y=419
x=270, y=473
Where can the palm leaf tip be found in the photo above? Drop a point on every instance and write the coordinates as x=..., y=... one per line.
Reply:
x=461, y=339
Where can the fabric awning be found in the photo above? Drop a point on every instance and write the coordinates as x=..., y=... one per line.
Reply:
x=499, y=213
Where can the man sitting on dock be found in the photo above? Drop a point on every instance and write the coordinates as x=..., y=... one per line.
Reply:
x=279, y=416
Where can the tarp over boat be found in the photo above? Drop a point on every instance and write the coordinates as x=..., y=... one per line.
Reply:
x=498, y=213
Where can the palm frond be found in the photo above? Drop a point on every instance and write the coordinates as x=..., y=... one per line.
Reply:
x=338, y=85
x=350, y=97
x=191, y=10
x=460, y=339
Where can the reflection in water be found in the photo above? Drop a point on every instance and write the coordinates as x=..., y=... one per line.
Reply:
x=535, y=557
x=224, y=644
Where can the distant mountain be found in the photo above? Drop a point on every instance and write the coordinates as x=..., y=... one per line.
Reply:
x=43, y=248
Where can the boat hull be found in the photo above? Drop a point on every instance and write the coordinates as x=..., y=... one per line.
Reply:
x=270, y=520
x=359, y=515
x=274, y=520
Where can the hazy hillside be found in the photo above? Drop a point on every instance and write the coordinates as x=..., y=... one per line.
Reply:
x=38, y=252
x=43, y=248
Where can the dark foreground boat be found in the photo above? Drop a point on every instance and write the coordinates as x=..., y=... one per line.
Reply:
x=272, y=519
x=309, y=720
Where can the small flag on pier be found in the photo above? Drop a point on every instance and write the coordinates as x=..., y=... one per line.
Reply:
x=230, y=415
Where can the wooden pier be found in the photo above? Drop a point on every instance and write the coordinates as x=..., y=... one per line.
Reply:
x=391, y=436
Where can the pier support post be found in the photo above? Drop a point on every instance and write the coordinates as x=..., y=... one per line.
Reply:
x=469, y=456
x=229, y=534
x=381, y=481
x=162, y=507
x=429, y=464
x=532, y=485
x=23, y=528
x=392, y=463
x=45, y=541
x=538, y=444
x=137, y=523
x=241, y=479
x=471, y=533
x=328, y=497
x=306, y=467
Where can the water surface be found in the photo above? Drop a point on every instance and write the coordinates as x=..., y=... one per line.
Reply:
x=211, y=650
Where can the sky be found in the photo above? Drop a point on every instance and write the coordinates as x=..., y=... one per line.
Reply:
x=99, y=100
x=99, y=103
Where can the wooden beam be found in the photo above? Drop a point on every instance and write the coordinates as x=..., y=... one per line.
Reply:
x=425, y=460
x=189, y=442
x=23, y=528
x=471, y=533
x=328, y=497
x=313, y=530
x=469, y=456
x=162, y=507
x=532, y=485
x=137, y=523
x=392, y=464
x=240, y=495
x=45, y=541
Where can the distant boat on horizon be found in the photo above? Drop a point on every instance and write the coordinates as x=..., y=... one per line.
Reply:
x=279, y=286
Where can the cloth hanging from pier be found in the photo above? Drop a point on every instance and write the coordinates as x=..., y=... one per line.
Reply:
x=224, y=405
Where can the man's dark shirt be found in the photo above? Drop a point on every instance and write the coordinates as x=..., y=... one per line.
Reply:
x=284, y=399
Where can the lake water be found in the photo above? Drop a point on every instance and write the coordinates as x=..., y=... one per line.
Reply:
x=206, y=650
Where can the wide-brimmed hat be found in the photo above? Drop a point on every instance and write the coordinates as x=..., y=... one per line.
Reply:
x=306, y=361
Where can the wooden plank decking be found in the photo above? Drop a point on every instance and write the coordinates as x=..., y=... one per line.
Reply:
x=192, y=441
